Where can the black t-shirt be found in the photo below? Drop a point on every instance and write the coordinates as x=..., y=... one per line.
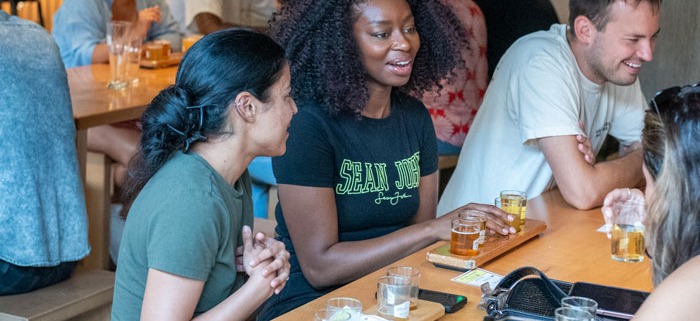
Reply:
x=373, y=165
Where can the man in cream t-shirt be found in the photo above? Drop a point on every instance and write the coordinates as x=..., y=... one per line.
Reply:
x=550, y=87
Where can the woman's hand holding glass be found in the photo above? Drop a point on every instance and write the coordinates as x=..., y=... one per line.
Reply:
x=616, y=197
x=496, y=219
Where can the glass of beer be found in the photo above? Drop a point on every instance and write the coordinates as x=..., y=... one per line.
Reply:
x=465, y=236
x=413, y=275
x=166, y=48
x=627, y=234
x=188, y=41
x=512, y=206
x=481, y=217
x=153, y=51
x=516, y=194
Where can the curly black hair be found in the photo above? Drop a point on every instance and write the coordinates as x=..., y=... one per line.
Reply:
x=325, y=60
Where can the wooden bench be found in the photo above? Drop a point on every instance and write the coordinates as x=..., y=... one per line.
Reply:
x=86, y=296
x=447, y=161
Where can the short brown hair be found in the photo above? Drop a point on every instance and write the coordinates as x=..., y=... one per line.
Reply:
x=598, y=10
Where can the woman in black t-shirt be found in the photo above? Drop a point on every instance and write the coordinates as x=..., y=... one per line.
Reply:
x=358, y=184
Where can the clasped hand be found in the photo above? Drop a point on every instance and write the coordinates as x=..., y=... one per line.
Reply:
x=266, y=253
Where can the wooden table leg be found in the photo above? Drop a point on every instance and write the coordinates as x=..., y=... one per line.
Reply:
x=97, y=202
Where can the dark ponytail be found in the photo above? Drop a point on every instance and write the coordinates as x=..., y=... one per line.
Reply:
x=212, y=73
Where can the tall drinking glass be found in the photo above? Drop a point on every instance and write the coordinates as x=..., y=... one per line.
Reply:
x=133, y=58
x=117, y=36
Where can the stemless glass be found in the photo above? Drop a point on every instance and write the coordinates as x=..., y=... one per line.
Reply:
x=512, y=206
x=517, y=194
x=580, y=302
x=393, y=300
x=344, y=309
x=465, y=236
x=413, y=275
x=572, y=314
x=627, y=234
x=479, y=216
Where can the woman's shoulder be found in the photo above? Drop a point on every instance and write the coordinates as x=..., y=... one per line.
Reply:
x=311, y=114
x=675, y=298
x=184, y=173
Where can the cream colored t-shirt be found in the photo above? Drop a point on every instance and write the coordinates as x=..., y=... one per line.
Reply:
x=252, y=13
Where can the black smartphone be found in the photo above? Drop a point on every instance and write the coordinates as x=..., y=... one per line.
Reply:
x=612, y=301
x=451, y=302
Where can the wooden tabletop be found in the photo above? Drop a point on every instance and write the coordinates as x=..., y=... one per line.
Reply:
x=569, y=250
x=94, y=104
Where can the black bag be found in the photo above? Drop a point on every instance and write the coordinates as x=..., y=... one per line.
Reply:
x=525, y=294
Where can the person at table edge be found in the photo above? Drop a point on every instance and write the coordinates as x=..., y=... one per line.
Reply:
x=80, y=27
x=207, y=16
x=555, y=95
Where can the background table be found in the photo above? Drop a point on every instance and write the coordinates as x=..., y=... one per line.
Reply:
x=95, y=105
x=569, y=250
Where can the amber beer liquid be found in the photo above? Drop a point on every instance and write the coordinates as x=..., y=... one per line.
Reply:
x=465, y=240
x=187, y=42
x=515, y=194
x=153, y=51
x=627, y=242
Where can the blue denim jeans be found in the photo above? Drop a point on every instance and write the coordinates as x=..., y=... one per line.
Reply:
x=15, y=279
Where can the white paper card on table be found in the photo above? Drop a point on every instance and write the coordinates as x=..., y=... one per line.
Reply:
x=477, y=277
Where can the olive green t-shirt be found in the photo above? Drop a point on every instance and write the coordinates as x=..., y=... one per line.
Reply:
x=186, y=221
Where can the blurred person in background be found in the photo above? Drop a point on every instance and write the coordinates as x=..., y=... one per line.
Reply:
x=43, y=223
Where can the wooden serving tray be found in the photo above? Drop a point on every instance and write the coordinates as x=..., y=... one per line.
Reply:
x=426, y=311
x=174, y=60
x=494, y=246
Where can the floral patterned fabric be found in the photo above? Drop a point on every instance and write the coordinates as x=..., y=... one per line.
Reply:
x=453, y=108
